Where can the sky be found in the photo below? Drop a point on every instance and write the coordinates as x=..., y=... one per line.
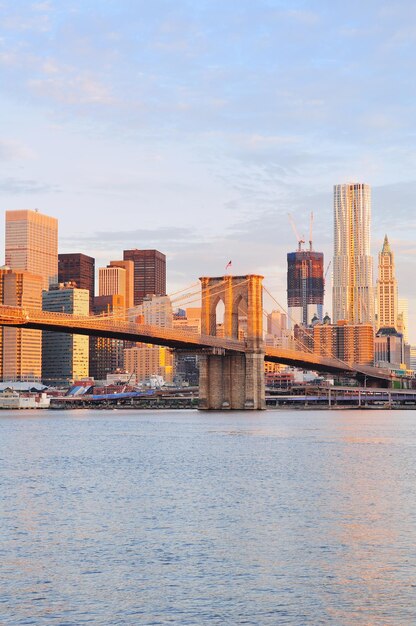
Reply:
x=195, y=127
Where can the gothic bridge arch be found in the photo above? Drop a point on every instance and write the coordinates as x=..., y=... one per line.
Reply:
x=233, y=381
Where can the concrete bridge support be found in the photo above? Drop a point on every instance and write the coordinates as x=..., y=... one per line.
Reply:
x=233, y=380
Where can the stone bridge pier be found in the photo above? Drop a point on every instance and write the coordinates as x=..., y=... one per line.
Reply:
x=233, y=380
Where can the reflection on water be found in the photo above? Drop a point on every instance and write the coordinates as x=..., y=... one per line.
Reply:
x=188, y=518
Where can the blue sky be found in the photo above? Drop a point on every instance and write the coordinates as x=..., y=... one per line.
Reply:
x=195, y=127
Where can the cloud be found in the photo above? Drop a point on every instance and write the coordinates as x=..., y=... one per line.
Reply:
x=70, y=89
x=307, y=17
x=15, y=186
x=14, y=150
x=393, y=208
x=34, y=17
x=171, y=236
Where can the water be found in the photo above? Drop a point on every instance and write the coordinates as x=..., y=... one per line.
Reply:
x=279, y=517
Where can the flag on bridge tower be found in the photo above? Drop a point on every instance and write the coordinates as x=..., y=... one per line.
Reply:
x=228, y=265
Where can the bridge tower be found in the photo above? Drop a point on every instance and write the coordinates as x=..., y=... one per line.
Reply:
x=233, y=380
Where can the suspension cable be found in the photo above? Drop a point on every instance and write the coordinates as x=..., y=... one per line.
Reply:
x=331, y=355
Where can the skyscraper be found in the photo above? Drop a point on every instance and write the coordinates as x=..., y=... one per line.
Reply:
x=79, y=269
x=128, y=266
x=22, y=348
x=387, y=293
x=276, y=323
x=32, y=244
x=353, y=292
x=112, y=282
x=154, y=310
x=64, y=356
x=305, y=286
x=106, y=355
x=149, y=273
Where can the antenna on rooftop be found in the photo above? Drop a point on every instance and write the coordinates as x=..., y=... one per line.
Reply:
x=310, y=231
x=300, y=240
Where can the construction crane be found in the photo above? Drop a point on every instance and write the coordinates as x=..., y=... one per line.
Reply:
x=310, y=231
x=300, y=240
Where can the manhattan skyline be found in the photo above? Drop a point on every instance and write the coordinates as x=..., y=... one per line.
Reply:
x=194, y=129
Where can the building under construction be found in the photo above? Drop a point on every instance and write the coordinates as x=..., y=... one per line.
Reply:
x=305, y=286
x=305, y=281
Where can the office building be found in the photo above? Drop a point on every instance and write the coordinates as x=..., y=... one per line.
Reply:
x=32, y=244
x=112, y=282
x=155, y=310
x=353, y=293
x=387, y=293
x=128, y=266
x=276, y=323
x=305, y=286
x=149, y=273
x=22, y=348
x=65, y=357
x=79, y=269
x=389, y=348
x=188, y=320
x=412, y=351
x=145, y=361
x=186, y=364
x=107, y=355
x=3, y=270
x=351, y=343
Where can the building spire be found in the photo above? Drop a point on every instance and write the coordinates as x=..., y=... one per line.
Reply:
x=386, y=246
x=387, y=294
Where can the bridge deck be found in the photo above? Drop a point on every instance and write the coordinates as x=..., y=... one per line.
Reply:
x=102, y=326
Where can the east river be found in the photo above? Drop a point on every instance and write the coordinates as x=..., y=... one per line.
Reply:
x=279, y=517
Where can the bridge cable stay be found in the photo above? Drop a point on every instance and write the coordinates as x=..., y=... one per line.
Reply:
x=154, y=306
x=310, y=351
x=174, y=293
x=215, y=288
x=124, y=313
x=299, y=342
x=157, y=307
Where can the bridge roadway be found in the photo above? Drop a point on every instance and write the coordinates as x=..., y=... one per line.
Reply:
x=102, y=326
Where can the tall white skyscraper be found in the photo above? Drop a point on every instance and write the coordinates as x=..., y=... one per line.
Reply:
x=353, y=291
x=387, y=293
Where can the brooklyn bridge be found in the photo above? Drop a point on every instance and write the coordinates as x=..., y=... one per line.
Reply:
x=231, y=368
